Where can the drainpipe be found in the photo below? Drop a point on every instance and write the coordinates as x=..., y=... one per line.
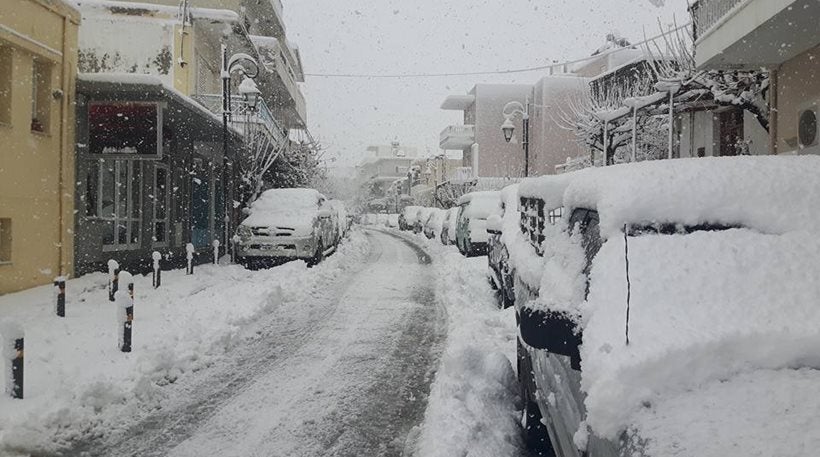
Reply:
x=64, y=148
x=773, y=106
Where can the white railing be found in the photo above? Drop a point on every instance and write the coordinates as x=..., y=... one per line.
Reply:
x=461, y=133
x=707, y=13
x=263, y=114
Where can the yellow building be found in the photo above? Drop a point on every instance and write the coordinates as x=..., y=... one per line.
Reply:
x=38, y=66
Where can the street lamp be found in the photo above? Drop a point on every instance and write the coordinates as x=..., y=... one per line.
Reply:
x=672, y=87
x=511, y=109
x=249, y=68
x=250, y=93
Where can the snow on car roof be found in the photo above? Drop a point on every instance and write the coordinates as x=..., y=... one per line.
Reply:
x=705, y=307
x=549, y=188
x=481, y=205
x=287, y=198
x=772, y=194
x=484, y=194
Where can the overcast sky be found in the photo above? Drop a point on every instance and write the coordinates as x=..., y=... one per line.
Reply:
x=439, y=36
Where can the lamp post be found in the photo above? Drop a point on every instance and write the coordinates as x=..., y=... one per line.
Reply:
x=672, y=87
x=511, y=109
x=249, y=67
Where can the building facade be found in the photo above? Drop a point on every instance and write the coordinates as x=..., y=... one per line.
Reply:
x=781, y=36
x=38, y=64
x=479, y=137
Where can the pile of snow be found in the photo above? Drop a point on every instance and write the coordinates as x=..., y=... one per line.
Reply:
x=769, y=193
x=437, y=220
x=471, y=408
x=411, y=214
x=78, y=383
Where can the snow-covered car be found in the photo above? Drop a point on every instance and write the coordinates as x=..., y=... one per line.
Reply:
x=448, y=230
x=471, y=226
x=407, y=218
x=500, y=270
x=672, y=310
x=339, y=219
x=286, y=224
x=393, y=220
x=432, y=228
x=421, y=218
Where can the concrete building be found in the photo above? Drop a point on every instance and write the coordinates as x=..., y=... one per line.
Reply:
x=550, y=143
x=479, y=137
x=38, y=64
x=780, y=35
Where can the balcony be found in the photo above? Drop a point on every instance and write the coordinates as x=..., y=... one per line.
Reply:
x=280, y=79
x=457, y=137
x=749, y=34
x=263, y=116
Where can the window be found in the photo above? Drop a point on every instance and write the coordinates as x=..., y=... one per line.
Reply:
x=161, y=205
x=113, y=194
x=124, y=128
x=40, y=96
x=5, y=240
x=5, y=84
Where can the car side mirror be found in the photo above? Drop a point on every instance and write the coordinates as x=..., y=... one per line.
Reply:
x=494, y=225
x=324, y=214
x=552, y=331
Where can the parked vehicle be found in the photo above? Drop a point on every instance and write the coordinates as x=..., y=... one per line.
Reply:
x=432, y=228
x=421, y=218
x=448, y=230
x=500, y=270
x=670, y=293
x=284, y=224
x=471, y=226
x=407, y=218
x=339, y=219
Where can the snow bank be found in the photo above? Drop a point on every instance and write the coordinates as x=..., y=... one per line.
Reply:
x=78, y=383
x=471, y=408
x=705, y=307
x=769, y=193
x=411, y=214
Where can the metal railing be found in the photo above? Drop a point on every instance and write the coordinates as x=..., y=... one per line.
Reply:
x=240, y=114
x=707, y=13
x=466, y=132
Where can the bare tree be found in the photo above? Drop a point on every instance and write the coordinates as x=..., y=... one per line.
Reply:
x=261, y=152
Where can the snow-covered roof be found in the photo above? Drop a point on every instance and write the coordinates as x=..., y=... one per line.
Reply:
x=153, y=10
x=120, y=80
x=486, y=194
x=772, y=194
x=458, y=102
x=481, y=205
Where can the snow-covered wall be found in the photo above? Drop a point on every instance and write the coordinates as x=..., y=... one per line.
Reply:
x=115, y=40
x=550, y=144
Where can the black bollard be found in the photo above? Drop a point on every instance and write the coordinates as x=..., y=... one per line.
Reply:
x=157, y=271
x=59, y=286
x=17, y=369
x=125, y=311
x=113, y=272
x=189, y=249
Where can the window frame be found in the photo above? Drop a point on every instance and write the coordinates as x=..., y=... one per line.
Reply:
x=6, y=241
x=160, y=107
x=41, y=75
x=131, y=184
x=154, y=207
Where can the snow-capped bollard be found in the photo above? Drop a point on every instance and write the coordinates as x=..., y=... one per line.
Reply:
x=189, y=249
x=12, y=344
x=113, y=270
x=125, y=311
x=157, y=271
x=216, y=252
x=236, y=240
x=59, y=290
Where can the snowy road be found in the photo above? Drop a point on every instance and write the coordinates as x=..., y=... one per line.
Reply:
x=350, y=379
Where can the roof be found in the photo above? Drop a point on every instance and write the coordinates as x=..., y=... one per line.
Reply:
x=146, y=85
x=153, y=10
x=771, y=194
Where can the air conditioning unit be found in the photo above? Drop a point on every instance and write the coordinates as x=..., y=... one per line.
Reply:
x=808, y=132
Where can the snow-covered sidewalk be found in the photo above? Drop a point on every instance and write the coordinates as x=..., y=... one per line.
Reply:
x=78, y=383
x=472, y=406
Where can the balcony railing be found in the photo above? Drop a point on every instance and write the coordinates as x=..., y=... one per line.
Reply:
x=240, y=115
x=707, y=13
x=457, y=137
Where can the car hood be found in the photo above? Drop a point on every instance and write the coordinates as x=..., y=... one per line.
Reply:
x=755, y=413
